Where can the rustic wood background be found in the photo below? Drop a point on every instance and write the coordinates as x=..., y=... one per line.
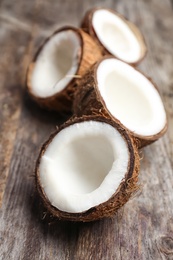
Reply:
x=143, y=228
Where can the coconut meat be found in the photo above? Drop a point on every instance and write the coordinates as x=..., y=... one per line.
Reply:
x=56, y=63
x=83, y=166
x=130, y=97
x=116, y=35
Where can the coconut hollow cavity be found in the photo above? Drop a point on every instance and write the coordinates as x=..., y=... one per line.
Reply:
x=119, y=91
x=64, y=57
x=115, y=34
x=87, y=169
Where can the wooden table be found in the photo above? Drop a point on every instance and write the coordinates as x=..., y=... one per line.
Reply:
x=143, y=228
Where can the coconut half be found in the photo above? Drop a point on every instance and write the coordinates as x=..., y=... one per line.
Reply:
x=119, y=91
x=115, y=34
x=64, y=57
x=87, y=169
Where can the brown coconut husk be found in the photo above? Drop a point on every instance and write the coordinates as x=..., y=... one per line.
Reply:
x=89, y=53
x=87, y=26
x=127, y=188
x=88, y=101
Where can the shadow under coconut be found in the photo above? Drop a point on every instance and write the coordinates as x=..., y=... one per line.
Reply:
x=51, y=226
x=67, y=231
x=43, y=115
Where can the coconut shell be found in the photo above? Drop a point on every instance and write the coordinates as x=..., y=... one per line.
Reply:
x=88, y=27
x=88, y=55
x=88, y=101
x=127, y=187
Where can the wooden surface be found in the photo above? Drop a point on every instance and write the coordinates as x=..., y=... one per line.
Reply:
x=143, y=229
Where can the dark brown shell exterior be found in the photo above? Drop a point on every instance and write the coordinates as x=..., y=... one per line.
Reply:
x=88, y=101
x=87, y=27
x=62, y=101
x=127, y=188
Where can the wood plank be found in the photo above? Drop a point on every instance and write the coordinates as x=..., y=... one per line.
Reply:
x=10, y=95
x=12, y=76
x=143, y=228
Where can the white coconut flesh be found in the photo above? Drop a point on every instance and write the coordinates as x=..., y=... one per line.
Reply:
x=83, y=166
x=130, y=97
x=116, y=36
x=56, y=64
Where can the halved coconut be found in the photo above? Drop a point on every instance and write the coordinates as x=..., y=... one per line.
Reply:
x=87, y=169
x=115, y=34
x=119, y=91
x=64, y=57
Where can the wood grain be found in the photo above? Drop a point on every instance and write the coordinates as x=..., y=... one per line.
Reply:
x=143, y=228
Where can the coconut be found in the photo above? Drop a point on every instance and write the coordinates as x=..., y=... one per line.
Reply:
x=63, y=57
x=87, y=169
x=115, y=35
x=119, y=91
